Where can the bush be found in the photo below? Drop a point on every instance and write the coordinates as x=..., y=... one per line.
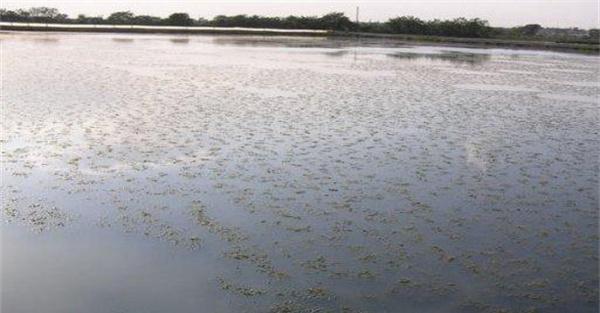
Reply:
x=408, y=25
x=179, y=19
x=121, y=18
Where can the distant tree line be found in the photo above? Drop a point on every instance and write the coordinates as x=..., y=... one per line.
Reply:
x=33, y=15
x=459, y=27
x=333, y=21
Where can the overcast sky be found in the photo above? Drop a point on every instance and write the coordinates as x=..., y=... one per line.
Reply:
x=549, y=13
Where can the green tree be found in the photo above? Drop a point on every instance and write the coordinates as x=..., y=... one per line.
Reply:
x=10, y=16
x=337, y=21
x=122, y=17
x=179, y=19
x=46, y=15
x=530, y=29
x=147, y=20
x=594, y=34
x=83, y=19
x=408, y=25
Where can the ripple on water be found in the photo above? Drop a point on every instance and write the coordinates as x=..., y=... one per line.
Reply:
x=490, y=87
x=570, y=97
x=578, y=83
x=570, y=71
x=518, y=72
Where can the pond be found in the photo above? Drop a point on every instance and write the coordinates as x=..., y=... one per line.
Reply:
x=161, y=173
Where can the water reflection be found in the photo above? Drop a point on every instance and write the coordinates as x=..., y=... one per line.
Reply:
x=123, y=40
x=180, y=40
x=445, y=56
x=96, y=272
x=268, y=41
x=337, y=53
x=46, y=40
x=306, y=42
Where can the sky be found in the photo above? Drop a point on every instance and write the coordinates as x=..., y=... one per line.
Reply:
x=548, y=13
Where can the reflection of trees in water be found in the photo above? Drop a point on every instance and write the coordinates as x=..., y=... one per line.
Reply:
x=48, y=40
x=122, y=40
x=279, y=41
x=173, y=40
x=336, y=53
x=305, y=42
x=180, y=40
x=446, y=56
x=336, y=44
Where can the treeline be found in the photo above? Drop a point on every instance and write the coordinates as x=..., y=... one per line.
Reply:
x=331, y=21
x=477, y=28
x=459, y=27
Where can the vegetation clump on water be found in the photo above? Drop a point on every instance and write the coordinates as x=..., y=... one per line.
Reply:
x=241, y=290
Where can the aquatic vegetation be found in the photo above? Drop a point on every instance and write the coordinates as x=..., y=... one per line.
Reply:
x=318, y=264
x=229, y=234
x=318, y=292
x=39, y=217
x=244, y=291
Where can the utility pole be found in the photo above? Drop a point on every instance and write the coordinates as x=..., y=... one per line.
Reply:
x=357, y=15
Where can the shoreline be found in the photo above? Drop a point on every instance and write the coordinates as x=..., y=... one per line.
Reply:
x=477, y=42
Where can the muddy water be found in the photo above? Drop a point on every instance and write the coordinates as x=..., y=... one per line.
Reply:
x=248, y=174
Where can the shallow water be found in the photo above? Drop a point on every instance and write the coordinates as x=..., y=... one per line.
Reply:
x=146, y=173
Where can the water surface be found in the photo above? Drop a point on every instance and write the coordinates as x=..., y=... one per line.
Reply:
x=147, y=173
